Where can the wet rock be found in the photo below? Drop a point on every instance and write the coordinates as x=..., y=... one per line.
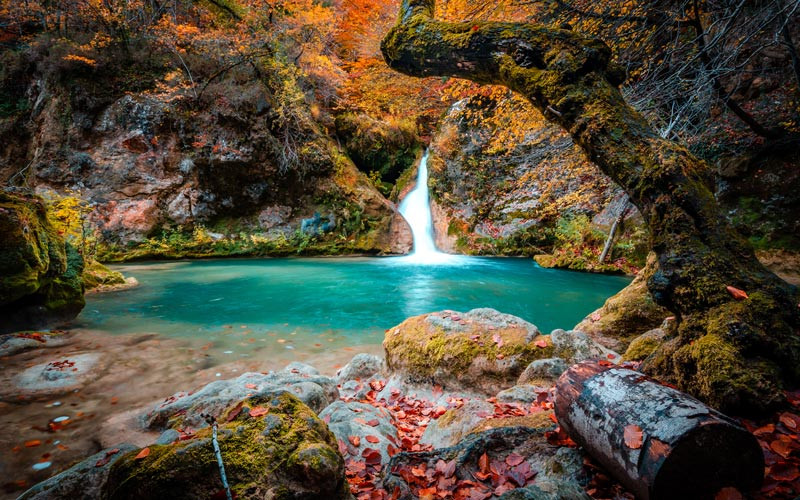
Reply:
x=525, y=394
x=540, y=420
x=15, y=343
x=456, y=423
x=85, y=479
x=59, y=376
x=575, y=346
x=97, y=275
x=365, y=424
x=543, y=371
x=296, y=367
x=482, y=350
x=361, y=367
x=186, y=408
x=552, y=472
x=169, y=436
x=273, y=446
x=40, y=273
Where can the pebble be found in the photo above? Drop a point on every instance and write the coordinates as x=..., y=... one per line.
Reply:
x=60, y=419
x=55, y=403
x=42, y=465
x=289, y=347
x=227, y=352
x=217, y=374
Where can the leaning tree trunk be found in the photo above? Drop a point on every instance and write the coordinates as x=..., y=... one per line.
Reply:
x=737, y=355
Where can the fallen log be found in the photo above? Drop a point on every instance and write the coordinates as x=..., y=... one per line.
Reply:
x=657, y=441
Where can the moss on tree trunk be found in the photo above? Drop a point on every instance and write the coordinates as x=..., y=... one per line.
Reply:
x=573, y=82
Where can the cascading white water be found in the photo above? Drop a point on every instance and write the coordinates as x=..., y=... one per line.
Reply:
x=416, y=209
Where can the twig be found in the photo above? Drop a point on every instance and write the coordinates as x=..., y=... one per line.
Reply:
x=213, y=422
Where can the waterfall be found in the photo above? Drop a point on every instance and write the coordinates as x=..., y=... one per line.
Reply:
x=416, y=209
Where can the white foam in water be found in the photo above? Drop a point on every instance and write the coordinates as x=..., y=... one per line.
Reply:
x=416, y=209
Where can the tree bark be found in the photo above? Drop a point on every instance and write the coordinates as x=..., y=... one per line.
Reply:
x=660, y=443
x=735, y=355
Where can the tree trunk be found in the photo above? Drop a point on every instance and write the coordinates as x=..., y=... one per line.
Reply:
x=660, y=443
x=735, y=355
x=613, y=231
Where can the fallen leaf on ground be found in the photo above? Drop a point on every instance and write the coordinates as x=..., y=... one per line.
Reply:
x=143, y=454
x=633, y=436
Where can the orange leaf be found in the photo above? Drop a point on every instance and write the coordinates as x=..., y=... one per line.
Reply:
x=32, y=443
x=483, y=463
x=258, y=411
x=372, y=439
x=354, y=440
x=728, y=494
x=736, y=293
x=143, y=454
x=633, y=436
x=250, y=386
x=541, y=343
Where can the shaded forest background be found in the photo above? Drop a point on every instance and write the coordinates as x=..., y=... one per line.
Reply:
x=293, y=90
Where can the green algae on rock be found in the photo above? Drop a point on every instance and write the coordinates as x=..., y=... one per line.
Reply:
x=40, y=273
x=287, y=453
x=481, y=350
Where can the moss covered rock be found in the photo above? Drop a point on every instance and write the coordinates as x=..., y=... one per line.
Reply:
x=287, y=453
x=626, y=315
x=644, y=345
x=482, y=350
x=40, y=274
x=96, y=275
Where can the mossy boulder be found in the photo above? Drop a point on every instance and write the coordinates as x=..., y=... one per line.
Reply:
x=40, y=273
x=644, y=345
x=287, y=453
x=482, y=350
x=96, y=275
x=626, y=315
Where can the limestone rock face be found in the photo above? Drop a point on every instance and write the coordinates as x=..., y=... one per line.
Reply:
x=40, y=274
x=456, y=423
x=352, y=421
x=482, y=350
x=313, y=390
x=362, y=366
x=273, y=446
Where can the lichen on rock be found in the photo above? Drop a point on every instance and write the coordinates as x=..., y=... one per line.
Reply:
x=288, y=453
x=481, y=350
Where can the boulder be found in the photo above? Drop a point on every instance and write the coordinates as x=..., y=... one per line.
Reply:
x=360, y=426
x=574, y=346
x=97, y=275
x=543, y=372
x=361, y=367
x=629, y=313
x=40, y=273
x=644, y=345
x=53, y=378
x=456, y=423
x=524, y=394
x=272, y=446
x=186, y=408
x=481, y=350
x=86, y=479
x=546, y=471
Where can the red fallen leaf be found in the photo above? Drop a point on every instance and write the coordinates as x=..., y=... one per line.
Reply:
x=475, y=28
x=377, y=384
x=114, y=400
x=789, y=420
x=428, y=493
x=782, y=471
x=657, y=449
x=371, y=456
x=103, y=461
x=497, y=340
x=250, y=386
x=633, y=436
x=500, y=356
x=373, y=423
x=143, y=454
x=372, y=439
x=781, y=447
x=258, y=411
x=483, y=463
x=765, y=430
x=514, y=459
x=32, y=443
x=235, y=412
x=736, y=293
x=391, y=450
x=541, y=343
x=728, y=494
x=342, y=447
x=354, y=440
x=437, y=391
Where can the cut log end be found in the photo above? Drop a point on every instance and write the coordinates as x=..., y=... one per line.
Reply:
x=657, y=441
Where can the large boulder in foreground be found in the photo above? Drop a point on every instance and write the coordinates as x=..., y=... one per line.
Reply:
x=481, y=350
x=40, y=273
x=272, y=447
